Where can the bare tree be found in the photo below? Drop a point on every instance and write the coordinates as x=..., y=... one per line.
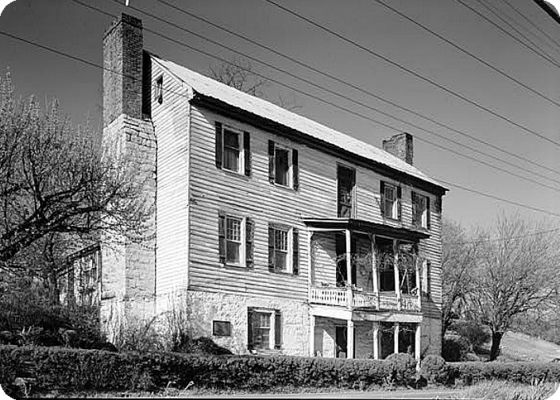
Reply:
x=241, y=75
x=55, y=180
x=515, y=272
x=457, y=263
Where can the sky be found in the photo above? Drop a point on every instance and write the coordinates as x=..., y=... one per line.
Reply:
x=377, y=51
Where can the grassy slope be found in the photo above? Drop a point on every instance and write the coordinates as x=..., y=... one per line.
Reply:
x=521, y=347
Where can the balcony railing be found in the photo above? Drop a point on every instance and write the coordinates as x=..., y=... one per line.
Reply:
x=341, y=296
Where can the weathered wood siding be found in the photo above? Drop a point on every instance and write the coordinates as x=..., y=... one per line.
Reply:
x=213, y=189
x=171, y=123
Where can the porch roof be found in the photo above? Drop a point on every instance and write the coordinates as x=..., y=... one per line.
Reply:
x=336, y=224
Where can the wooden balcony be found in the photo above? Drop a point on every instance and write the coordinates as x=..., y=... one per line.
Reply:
x=353, y=298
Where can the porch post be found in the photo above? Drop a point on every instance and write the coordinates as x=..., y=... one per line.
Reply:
x=396, y=338
x=396, y=270
x=349, y=266
x=374, y=276
x=376, y=341
x=309, y=260
x=350, y=339
x=418, y=282
x=418, y=342
x=312, y=335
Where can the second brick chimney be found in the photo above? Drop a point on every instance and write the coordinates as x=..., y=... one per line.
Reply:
x=401, y=146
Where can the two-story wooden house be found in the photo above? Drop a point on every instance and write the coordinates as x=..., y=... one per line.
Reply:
x=280, y=234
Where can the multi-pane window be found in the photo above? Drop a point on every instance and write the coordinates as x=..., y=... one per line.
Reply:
x=390, y=200
x=281, y=249
x=232, y=151
x=282, y=166
x=261, y=330
x=390, y=196
x=420, y=210
x=233, y=240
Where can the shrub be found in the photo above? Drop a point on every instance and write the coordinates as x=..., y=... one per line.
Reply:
x=204, y=345
x=455, y=348
x=73, y=370
x=434, y=369
x=522, y=372
x=403, y=368
x=474, y=332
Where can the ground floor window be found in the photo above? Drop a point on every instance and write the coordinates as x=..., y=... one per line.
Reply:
x=264, y=329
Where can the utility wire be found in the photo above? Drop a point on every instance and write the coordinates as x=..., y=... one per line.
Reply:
x=494, y=11
x=79, y=59
x=491, y=196
x=463, y=50
x=503, y=239
x=362, y=90
x=474, y=10
x=414, y=73
x=542, y=31
x=356, y=102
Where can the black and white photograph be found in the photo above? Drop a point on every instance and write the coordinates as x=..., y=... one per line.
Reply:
x=280, y=199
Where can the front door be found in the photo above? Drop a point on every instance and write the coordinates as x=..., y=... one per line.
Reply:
x=346, y=183
x=341, y=342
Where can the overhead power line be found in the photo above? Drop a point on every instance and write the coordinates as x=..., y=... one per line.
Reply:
x=362, y=90
x=474, y=10
x=335, y=93
x=414, y=73
x=467, y=52
x=533, y=24
x=503, y=239
x=87, y=62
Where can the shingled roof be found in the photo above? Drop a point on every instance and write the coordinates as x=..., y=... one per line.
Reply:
x=202, y=85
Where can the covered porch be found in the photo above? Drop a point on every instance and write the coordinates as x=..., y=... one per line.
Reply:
x=363, y=265
x=357, y=336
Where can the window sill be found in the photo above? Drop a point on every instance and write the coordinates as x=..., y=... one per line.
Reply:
x=234, y=266
x=287, y=273
x=420, y=228
x=235, y=173
x=284, y=187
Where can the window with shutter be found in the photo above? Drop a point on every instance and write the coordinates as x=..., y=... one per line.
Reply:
x=236, y=240
x=233, y=150
x=264, y=329
x=283, y=168
x=420, y=210
x=281, y=252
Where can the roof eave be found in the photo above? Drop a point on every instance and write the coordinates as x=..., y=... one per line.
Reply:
x=297, y=136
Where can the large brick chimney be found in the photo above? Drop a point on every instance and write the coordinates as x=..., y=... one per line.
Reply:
x=128, y=269
x=122, y=74
x=401, y=146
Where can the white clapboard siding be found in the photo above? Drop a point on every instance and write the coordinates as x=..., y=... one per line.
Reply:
x=170, y=121
x=213, y=190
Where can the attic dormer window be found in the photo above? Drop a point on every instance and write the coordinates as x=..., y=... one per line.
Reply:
x=159, y=89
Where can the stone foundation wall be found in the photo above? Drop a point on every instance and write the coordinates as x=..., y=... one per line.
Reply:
x=202, y=308
x=431, y=337
x=325, y=334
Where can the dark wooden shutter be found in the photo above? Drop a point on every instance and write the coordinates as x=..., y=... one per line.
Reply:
x=270, y=248
x=295, y=249
x=277, y=329
x=295, y=169
x=428, y=213
x=437, y=204
x=414, y=199
x=247, y=152
x=271, y=161
x=250, y=313
x=222, y=236
x=219, y=145
x=399, y=201
x=249, y=242
x=382, y=197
